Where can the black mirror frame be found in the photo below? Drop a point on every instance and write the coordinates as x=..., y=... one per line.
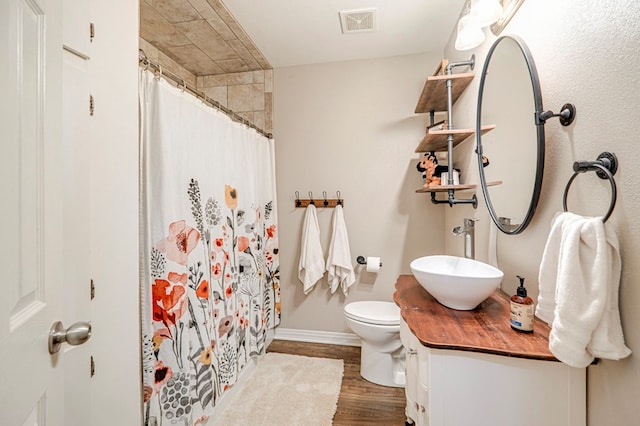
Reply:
x=537, y=99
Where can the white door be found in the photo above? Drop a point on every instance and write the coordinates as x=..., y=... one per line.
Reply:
x=75, y=197
x=31, y=215
x=45, y=211
x=68, y=211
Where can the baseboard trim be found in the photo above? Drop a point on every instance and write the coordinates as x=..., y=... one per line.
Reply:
x=312, y=336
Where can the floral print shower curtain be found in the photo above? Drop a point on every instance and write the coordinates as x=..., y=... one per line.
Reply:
x=209, y=258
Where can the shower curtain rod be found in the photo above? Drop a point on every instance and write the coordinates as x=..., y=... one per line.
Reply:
x=180, y=83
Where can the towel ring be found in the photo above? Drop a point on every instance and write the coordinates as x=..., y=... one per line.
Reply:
x=605, y=167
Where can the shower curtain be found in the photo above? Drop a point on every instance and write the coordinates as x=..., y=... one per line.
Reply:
x=209, y=258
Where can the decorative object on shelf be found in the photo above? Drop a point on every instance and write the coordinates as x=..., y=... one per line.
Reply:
x=566, y=115
x=440, y=125
x=605, y=166
x=444, y=177
x=517, y=146
x=319, y=202
x=428, y=166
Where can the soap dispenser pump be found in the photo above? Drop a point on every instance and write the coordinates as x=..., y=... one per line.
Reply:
x=521, y=309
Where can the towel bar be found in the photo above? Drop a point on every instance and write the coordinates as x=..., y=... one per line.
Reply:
x=605, y=166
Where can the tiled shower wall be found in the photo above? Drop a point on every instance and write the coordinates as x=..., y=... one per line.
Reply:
x=249, y=94
x=155, y=55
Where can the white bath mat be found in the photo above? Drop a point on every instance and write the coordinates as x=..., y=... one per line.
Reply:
x=285, y=390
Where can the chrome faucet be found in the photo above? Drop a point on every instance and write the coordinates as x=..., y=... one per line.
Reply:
x=468, y=231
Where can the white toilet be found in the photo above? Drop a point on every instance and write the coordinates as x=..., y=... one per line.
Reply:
x=382, y=355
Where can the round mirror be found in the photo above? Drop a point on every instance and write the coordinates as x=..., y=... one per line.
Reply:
x=511, y=156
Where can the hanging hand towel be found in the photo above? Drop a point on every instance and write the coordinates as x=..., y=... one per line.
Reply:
x=311, y=266
x=549, y=267
x=339, y=263
x=581, y=289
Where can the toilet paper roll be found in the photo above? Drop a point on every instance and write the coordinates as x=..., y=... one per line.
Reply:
x=373, y=264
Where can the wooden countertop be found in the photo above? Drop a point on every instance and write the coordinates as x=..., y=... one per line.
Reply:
x=485, y=329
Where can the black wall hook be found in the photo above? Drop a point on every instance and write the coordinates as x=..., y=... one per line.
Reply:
x=566, y=115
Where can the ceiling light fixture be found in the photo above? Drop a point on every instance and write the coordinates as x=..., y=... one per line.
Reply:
x=477, y=14
x=469, y=34
x=485, y=12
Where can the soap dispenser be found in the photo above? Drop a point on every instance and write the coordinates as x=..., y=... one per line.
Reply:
x=521, y=309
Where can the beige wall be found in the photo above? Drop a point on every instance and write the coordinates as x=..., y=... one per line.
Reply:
x=585, y=54
x=350, y=127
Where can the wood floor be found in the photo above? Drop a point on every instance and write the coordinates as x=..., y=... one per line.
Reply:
x=360, y=402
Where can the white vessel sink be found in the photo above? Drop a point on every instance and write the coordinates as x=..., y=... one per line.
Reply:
x=456, y=282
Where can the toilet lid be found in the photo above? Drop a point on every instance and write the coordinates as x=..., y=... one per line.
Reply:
x=382, y=313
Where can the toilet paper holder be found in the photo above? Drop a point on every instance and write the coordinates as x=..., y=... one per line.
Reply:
x=363, y=261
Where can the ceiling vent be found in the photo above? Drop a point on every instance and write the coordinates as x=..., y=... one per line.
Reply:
x=357, y=21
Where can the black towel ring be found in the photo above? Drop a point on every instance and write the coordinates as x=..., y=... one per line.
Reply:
x=605, y=167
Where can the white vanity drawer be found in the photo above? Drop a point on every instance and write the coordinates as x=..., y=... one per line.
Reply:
x=411, y=367
x=422, y=416
x=409, y=341
x=423, y=366
x=411, y=411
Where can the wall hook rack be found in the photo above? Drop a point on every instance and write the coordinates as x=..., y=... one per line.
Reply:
x=566, y=115
x=318, y=202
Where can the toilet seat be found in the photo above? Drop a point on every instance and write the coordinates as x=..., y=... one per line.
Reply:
x=373, y=312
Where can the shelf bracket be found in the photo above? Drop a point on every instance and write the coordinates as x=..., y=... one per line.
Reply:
x=470, y=63
x=452, y=200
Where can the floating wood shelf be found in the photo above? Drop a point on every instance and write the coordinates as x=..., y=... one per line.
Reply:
x=444, y=188
x=436, y=140
x=434, y=92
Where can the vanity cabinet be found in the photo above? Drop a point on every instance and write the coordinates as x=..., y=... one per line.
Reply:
x=470, y=367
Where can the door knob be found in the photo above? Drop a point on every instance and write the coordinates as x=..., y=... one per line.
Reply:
x=76, y=334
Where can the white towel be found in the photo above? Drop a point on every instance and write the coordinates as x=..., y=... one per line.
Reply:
x=579, y=280
x=549, y=267
x=339, y=263
x=311, y=266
